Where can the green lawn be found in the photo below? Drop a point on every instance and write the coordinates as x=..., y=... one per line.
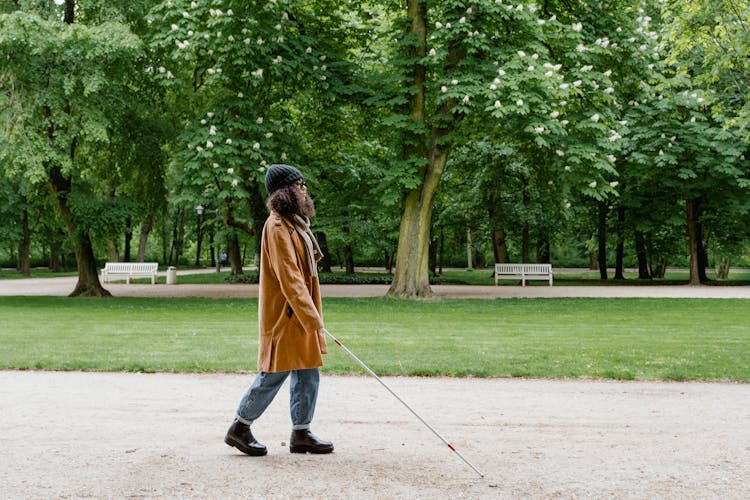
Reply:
x=679, y=339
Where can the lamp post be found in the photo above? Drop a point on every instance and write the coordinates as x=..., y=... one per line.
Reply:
x=200, y=209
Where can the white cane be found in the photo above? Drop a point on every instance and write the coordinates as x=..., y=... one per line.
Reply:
x=368, y=370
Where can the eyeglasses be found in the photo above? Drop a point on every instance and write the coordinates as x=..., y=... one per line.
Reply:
x=300, y=184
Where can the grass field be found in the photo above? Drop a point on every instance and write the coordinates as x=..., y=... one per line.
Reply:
x=643, y=339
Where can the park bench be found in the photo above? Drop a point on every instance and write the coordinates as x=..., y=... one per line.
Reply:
x=130, y=270
x=524, y=272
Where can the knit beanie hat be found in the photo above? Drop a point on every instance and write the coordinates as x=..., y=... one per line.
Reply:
x=280, y=175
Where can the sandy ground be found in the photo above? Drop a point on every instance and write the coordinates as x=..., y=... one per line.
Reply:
x=116, y=435
x=124, y=435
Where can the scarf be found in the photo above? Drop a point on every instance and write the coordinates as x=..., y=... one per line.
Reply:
x=312, y=250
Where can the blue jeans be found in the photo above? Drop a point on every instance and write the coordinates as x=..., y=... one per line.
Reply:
x=303, y=394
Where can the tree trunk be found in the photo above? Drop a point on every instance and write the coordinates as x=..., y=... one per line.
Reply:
x=146, y=227
x=602, y=240
x=233, y=253
x=411, y=277
x=640, y=253
x=692, y=211
x=24, y=257
x=325, y=262
x=542, y=250
x=526, y=238
x=499, y=246
x=112, y=254
x=128, y=239
x=88, y=274
x=620, y=250
x=702, y=254
x=469, y=252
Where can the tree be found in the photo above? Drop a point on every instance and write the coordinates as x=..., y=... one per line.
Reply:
x=65, y=84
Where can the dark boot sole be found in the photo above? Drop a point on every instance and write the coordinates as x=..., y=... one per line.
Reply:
x=310, y=449
x=253, y=452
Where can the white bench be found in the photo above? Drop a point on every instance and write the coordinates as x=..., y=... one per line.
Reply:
x=130, y=270
x=524, y=272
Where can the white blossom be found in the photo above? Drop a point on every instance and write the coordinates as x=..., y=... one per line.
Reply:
x=462, y=20
x=432, y=52
x=609, y=90
x=612, y=158
x=438, y=25
x=554, y=114
x=548, y=74
x=559, y=152
x=493, y=86
x=443, y=89
x=608, y=72
x=614, y=184
x=539, y=130
x=564, y=86
x=256, y=146
x=269, y=135
x=186, y=15
x=521, y=53
x=592, y=184
x=577, y=26
x=203, y=121
x=230, y=12
x=497, y=104
x=235, y=182
x=501, y=72
x=661, y=152
x=212, y=130
x=308, y=50
x=454, y=82
x=564, y=123
x=535, y=56
x=595, y=117
x=577, y=83
x=519, y=102
x=259, y=120
x=229, y=141
x=199, y=149
x=567, y=205
x=175, y=27
x=530, y=68
x=466, y=99
x=230, y=170
x=209, y=144
x=567, y=168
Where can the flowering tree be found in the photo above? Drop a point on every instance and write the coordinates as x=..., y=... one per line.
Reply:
x=250, y=68
x=540, y=76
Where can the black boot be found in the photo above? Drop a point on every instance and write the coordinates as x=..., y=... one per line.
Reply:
x=303, y=441
x=240, y=437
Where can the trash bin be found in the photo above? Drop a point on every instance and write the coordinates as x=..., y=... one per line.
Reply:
x=171, y=275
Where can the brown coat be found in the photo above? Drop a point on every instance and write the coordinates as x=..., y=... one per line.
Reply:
x=290, y=313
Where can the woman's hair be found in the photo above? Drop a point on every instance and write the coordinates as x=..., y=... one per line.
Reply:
x=287, y=201
x=284, y=201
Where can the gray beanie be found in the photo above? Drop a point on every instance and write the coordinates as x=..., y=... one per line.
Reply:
x=280, y=175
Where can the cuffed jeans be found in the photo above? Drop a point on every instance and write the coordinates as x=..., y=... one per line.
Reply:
x=303, y=394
